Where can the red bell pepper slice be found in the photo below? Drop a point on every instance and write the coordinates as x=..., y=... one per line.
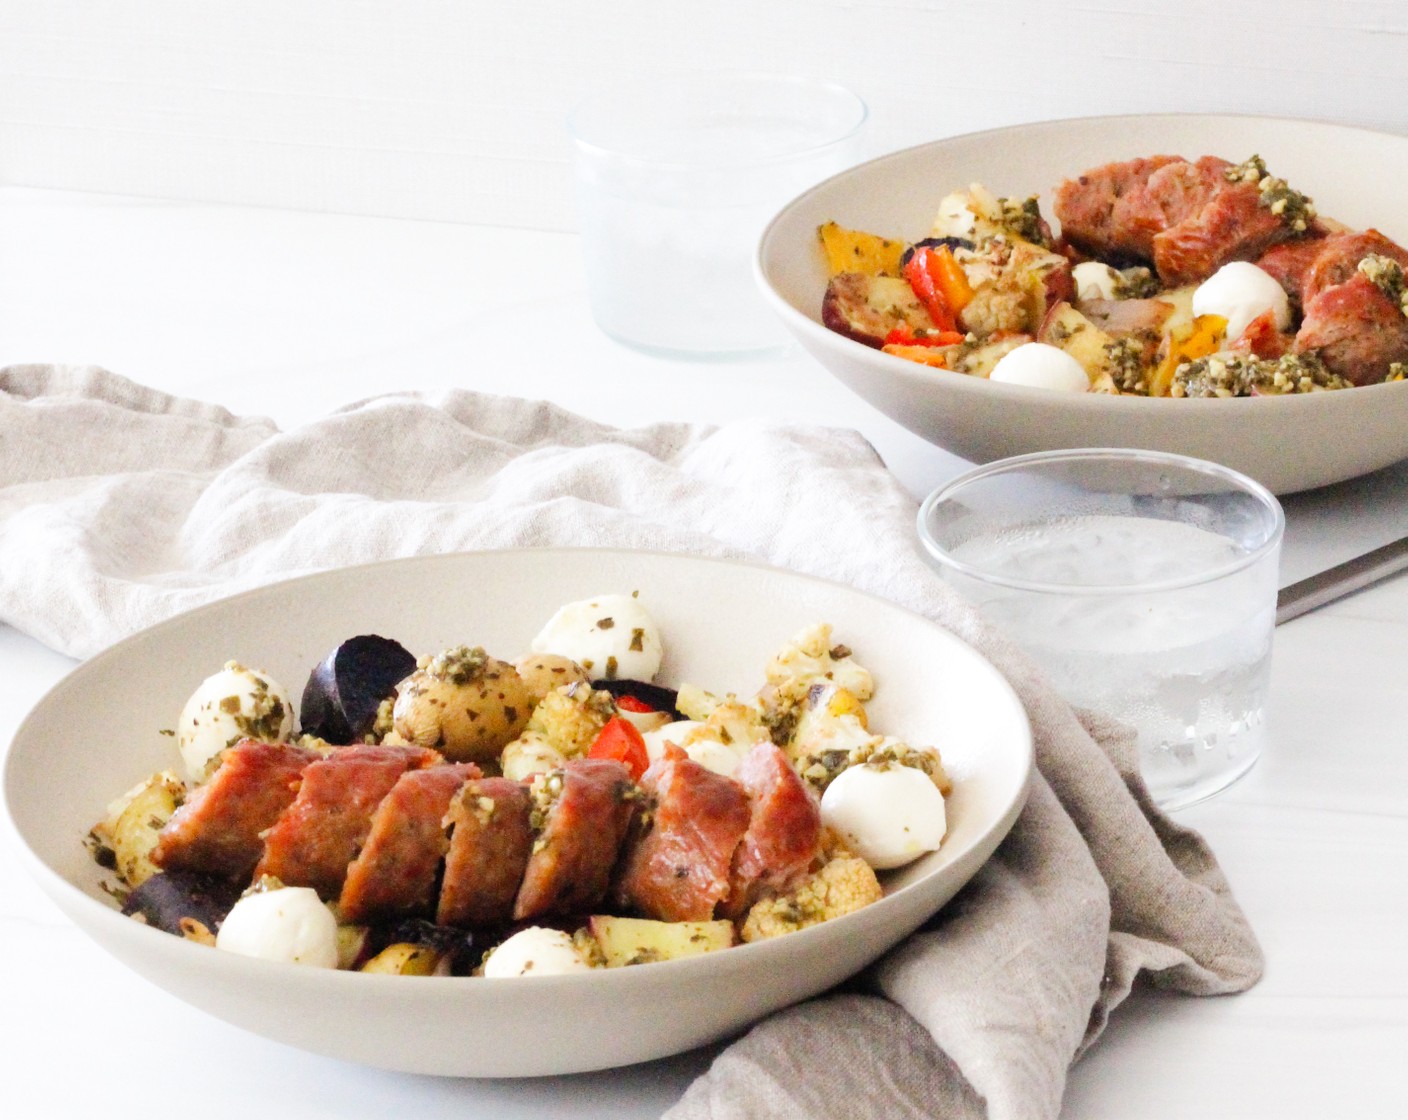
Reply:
x=633, y=704
x=620, y=740
x=903, y=336
x=923, y=273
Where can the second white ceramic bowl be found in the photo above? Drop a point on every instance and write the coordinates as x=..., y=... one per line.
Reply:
x=1287, y=443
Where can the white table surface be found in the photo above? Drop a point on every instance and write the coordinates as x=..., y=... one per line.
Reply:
x=291, y=315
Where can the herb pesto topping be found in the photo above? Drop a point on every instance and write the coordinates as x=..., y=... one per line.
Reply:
x=1238, y=375
x=1386, y=274
x=1294, y=209
x=458, y=665
x=1022, y=218
x=1128, y=369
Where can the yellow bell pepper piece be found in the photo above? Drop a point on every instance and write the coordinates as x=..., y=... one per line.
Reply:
x=1203, y=337
x=852, y=250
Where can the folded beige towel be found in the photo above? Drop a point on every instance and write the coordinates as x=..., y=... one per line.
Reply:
x=120, y=506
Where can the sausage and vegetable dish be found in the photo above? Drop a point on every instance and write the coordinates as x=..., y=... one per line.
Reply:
x=457, y=814
x=1169, y=278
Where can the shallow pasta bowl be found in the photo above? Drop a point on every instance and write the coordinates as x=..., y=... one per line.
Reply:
x=98, y=732
x=1287, y=443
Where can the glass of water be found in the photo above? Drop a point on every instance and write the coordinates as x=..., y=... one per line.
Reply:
x=676, y=178
x=1143, y=583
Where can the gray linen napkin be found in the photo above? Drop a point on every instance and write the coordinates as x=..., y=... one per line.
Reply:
x=120, y=506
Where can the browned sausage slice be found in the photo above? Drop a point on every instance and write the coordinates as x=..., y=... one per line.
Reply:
x=784, y=831
x=316, y=837
x=394, y=874
x=1355, y=329
x=592, y=801
x=217, y=831
x=490, y=840
x=678, y=871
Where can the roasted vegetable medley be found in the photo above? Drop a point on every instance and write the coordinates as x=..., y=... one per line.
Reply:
x=1169, y=278
x=456, y=814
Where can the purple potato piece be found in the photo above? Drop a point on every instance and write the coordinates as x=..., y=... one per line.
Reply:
x=170, y=897
x=343, y=693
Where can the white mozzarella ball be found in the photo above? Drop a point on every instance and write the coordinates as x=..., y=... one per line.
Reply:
x=289, y=924
x=675, y=733
x=1039, y=366
x=535, y=951
x=715, y=756
x=1095, y=280
x=709, y=753
x=527, y=755
x=1240, y=292
x=228, y=706
x=611, y=636
x=889, y=815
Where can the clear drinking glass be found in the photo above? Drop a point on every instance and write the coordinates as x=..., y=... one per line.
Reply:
x=1143, y=583
x=676, y=178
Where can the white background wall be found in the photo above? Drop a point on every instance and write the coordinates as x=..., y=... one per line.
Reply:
x=454, y=110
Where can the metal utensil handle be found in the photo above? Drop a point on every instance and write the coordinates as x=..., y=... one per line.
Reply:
x=1333, y=583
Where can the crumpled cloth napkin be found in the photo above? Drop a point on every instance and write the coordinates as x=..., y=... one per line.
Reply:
x=120, y=506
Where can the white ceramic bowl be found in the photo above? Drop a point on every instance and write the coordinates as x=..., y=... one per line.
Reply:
x=98, y=732
x=1287, y=443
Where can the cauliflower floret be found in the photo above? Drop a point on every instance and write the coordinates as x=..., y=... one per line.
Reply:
x=569, y=718
x=844, y=883
x=810, y=656
x=733, y=724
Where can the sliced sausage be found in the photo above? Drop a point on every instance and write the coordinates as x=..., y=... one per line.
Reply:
x=1228, y=224
x=394, y=874
x=784, y=828
x=1355, y=329
x=490, y=841
x=1086, y=207
x=217, y=831
x=678, y=870
x=576, y=848
x=316, y=837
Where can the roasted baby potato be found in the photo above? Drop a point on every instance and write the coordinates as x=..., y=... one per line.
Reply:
x=464, y=704
x=134, y=820
x=626, y=941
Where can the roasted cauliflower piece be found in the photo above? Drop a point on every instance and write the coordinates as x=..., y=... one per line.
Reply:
x=810, y=656
x=569, y=718
x=843, y=884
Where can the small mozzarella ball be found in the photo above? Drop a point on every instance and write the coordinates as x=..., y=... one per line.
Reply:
x=1240, y=292
x=535, y=951
x=1039, y=366
x=613, y=637
x=715, y=756
x=1095, y=280
x=889, y=815
x=675, y=733
x=288, y=924
x=228, y=706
